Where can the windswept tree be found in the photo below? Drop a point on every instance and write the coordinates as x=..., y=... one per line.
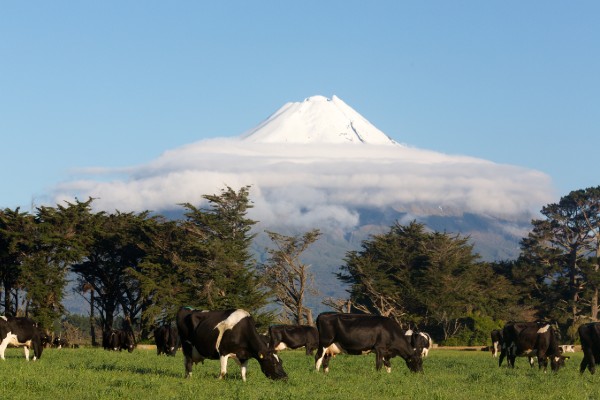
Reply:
x=288, y=277
x=564, y=246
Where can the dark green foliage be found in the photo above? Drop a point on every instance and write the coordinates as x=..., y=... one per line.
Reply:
x=203, y=261
x=114, y=249
x=429, y=279
x=562, y=253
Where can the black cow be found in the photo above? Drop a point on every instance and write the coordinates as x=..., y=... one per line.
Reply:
x=21, y=331
x=166, y=341
x=293, y=337
x=590, y=344
x=497, y=341
x=532, y=339
x=218, y=335
x=361, y=334
x=117, y=340
x=420, y=341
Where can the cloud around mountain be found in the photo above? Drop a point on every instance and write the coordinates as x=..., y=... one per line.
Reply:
x=315, y=163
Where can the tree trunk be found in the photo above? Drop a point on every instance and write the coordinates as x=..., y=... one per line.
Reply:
x=92, y=319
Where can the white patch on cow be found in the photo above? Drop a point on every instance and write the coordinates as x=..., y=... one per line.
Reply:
x=244, y=368
x=496, y=346
x=280, y=346
x=388, y=369
x=223, y=359
x=4, y=318
x=276, y=357
x=319, y=361
x=529, y=353
x=544, y=329
x=409, y=332
x=567, y=348
x=365, y=352
x=334, y=349
x=229, y=323
x=556, y=359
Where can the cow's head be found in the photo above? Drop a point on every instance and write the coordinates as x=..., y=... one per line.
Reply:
x=271, y=365
x=557, y=361
x=415, y=362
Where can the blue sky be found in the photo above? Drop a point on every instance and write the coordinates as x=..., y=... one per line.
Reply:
x=116, y=84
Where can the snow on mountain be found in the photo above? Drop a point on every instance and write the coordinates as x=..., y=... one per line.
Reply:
x=317, y=119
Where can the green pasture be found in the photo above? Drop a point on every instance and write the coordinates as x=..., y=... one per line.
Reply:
x=449, y=374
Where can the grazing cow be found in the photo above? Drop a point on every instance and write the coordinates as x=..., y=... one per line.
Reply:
x=532, y=339
x=218, y=335
x=117, y=340
x=361, y=334
x=59, y=342
x=590, y=344
x=21, y=331
x=165, y=338
x=293, y=337
x=420, y=341
x=497, y=341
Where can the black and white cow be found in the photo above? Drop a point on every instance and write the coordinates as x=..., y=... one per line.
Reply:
x=421, y=341
x=497, y=341
x=567, y=348
x=166, y=339
x=293, y=337
x=532, y=339
x=590, y=345
x=117, y=340
x=219, y=335
x=59, y=342
x=21, y=331
x=361, y=334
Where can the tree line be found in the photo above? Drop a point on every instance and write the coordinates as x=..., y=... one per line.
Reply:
x=141, y=267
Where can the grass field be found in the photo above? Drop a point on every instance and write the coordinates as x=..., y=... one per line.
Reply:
x=449, y=374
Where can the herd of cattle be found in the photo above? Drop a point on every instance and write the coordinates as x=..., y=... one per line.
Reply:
x=220, y=335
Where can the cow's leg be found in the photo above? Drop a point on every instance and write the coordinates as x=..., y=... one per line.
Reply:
x=3, y=346
x=388, y=365
x=244, y=369
x=318, y=357
x=378, y=359
x=502, y=355
x=592, y=361
x=584, y=364
x=326, y=359
x=26, y=350
x=223, y=360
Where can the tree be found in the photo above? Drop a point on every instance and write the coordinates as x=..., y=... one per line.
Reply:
x=223, y=234
x=113, y=251
x=57, y=239
x=203, y=261
x=289, y=278
x=423, y=278
x=565, y=245
x=14, y=248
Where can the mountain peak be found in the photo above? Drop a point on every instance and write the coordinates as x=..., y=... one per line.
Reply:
x=317, y=119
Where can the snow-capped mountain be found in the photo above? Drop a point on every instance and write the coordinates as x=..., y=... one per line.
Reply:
x=317, y=119
x=319, y=164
